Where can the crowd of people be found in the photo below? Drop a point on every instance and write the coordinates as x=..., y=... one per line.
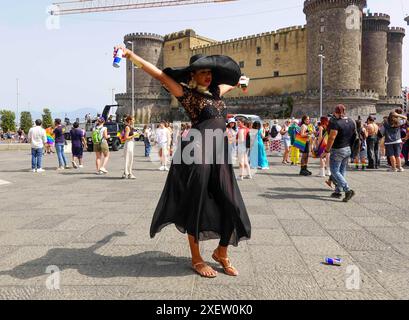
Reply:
x=13, y=137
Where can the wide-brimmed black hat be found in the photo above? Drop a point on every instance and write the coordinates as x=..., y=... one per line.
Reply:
x=224, y=69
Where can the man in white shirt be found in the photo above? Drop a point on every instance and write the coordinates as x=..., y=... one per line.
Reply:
x=37, y=137
x=162, y=135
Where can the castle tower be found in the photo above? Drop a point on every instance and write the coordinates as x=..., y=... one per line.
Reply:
x=149, y=93
x=334, y=30
x=395, y=43
x=374, y=53
x=149, y=47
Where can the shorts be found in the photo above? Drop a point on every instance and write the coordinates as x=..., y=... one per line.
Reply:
x=393, y=150
x=77, y=151
x=102, y=147
x=287, y=143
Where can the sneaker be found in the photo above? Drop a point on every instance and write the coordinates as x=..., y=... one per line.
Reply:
x=103, y=170
x=131, y=177
x=60, y=168
x=74, y=165
x=80, y=166
x=392, y=170
x=166, y=168
x=124, y=176
x=401, y=170
x=248, y=177
x=336, y=195
x=98, y=173
x=66, y=167
x=33, y=170
x=162, y=168
x=348, y=195
x=40, y=170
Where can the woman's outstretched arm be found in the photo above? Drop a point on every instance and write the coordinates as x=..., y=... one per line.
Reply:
x=170, y=84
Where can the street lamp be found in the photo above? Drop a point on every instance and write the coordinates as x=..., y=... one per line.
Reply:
x=18, y=93
x=133, y=82
x=322, y=57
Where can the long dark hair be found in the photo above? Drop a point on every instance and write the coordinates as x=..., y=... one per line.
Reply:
x=257, y=125
x=303, y=119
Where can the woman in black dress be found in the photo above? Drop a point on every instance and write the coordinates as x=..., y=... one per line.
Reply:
x=202, y=198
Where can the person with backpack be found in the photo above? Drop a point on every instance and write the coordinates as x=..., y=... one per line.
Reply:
x=276, y=137
x=100, y=141
x=127, y=137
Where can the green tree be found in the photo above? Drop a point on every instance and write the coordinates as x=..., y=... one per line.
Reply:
x=8, y=120
x=47, y=118
x=26, y=121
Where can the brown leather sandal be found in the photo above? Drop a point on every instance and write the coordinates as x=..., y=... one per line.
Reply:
x=226, y=265
x=200, y=267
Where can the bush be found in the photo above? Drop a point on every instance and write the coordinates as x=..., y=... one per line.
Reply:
x=8, y=120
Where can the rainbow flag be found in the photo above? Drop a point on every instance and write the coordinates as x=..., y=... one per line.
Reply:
x=319, y=150
x=300, y=142
x=50, y=136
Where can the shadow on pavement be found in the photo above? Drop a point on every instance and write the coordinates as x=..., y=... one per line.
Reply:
x=91, y=264
x=294, y=193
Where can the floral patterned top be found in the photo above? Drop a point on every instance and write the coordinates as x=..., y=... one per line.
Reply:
x=201, y=106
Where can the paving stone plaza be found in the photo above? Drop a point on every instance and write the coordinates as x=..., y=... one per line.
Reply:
x=94, y=232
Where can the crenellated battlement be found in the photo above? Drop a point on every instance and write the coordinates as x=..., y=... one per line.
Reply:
x=377, y=22
x=397, y=30
x=143, y=35
x=377, y=16
x=254, y=36
x=311, y=6
x=180, y=35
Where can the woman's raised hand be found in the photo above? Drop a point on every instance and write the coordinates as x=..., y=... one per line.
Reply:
x=126, y=52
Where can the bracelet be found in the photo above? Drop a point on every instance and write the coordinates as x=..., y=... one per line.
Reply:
x=138, y=64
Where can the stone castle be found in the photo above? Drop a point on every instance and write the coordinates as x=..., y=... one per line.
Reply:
x=362, y=65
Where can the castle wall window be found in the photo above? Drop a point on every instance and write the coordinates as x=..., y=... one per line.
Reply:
x=276, y=74
x=258, y=63
x=276, y=46
x=241, y=63
x=322, y=19
x=258, y=50
x=322, y=29
x=173, y=48
x=180, y=45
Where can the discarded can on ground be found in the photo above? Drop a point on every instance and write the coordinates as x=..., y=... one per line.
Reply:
x=333, y=261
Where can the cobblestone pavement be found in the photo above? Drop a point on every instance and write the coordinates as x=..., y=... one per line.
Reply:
x=95, y=229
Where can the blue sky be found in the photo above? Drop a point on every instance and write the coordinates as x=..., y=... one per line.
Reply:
x=71, y=67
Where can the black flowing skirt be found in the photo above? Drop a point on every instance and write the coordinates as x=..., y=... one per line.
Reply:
x=203, y=199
